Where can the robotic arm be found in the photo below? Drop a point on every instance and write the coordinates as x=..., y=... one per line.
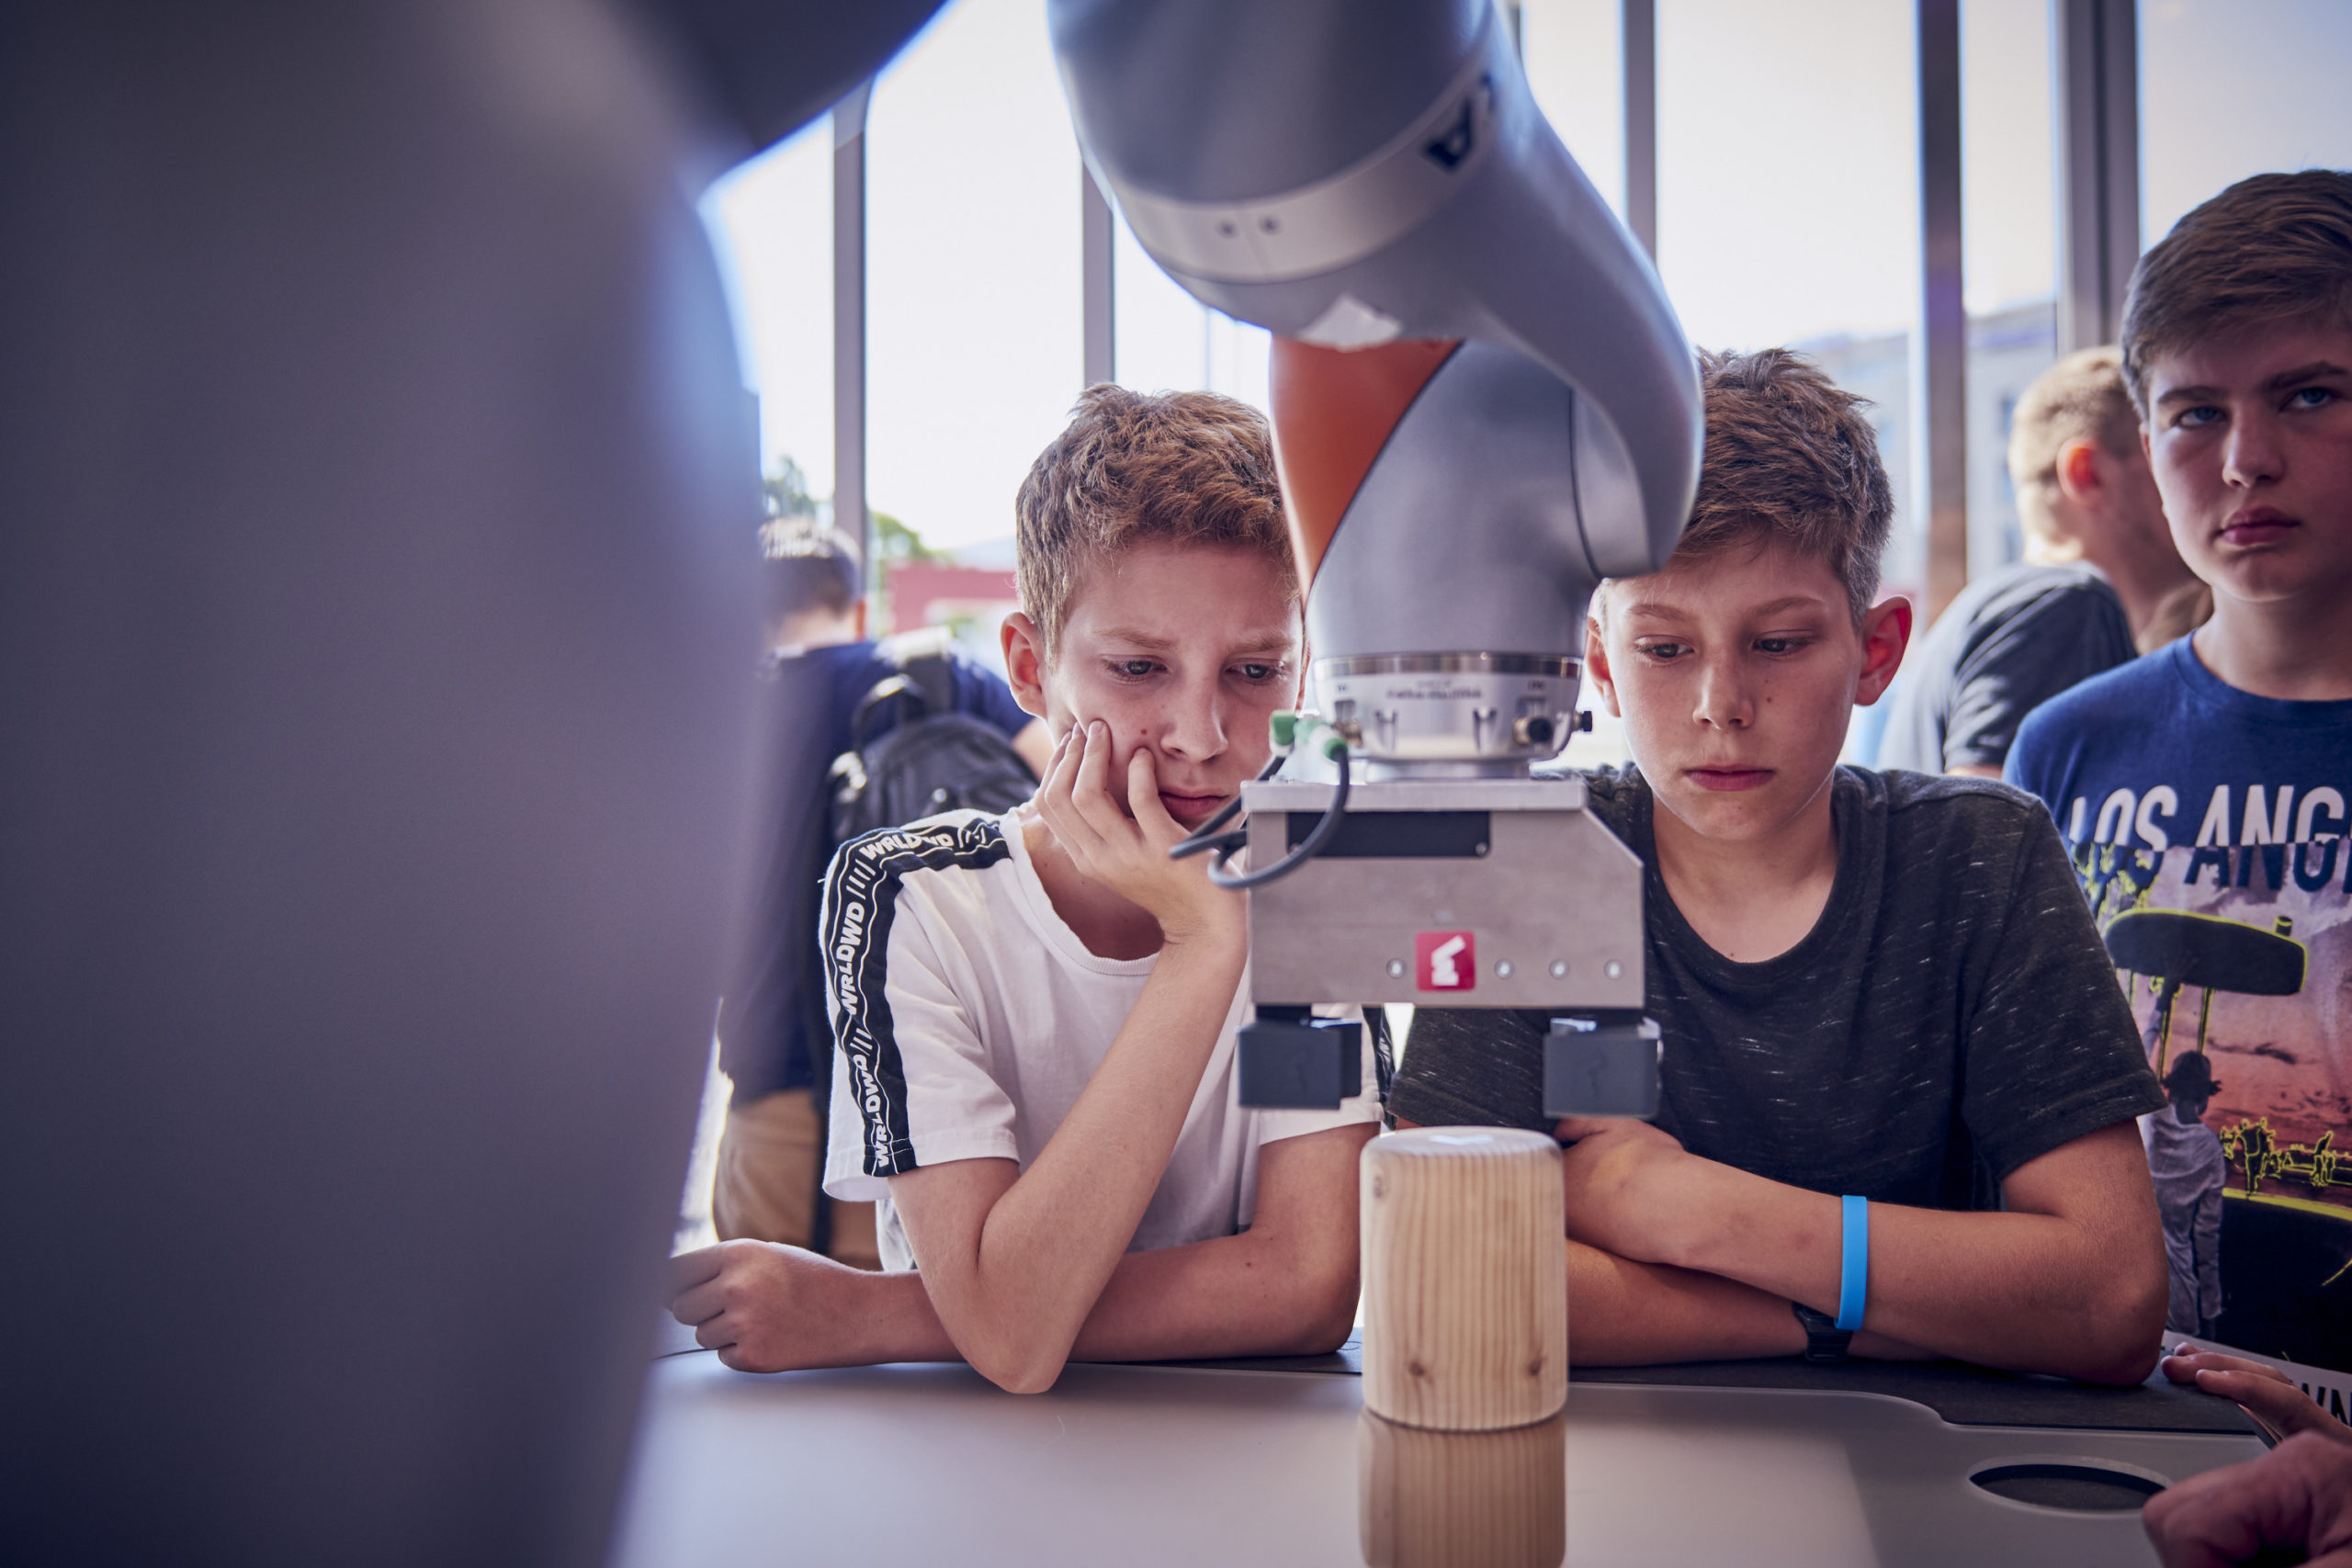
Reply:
x=1482, y=405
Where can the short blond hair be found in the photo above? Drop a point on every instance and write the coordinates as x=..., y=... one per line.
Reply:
x=2271, y=248
x=1789, y=461
x=1187, y=467
x=2081, y=397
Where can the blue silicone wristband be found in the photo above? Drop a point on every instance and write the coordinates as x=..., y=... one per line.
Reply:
x=1854, y=1269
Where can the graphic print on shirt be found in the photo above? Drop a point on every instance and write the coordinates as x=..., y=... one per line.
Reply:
x=861, y=900
x=2229, y=919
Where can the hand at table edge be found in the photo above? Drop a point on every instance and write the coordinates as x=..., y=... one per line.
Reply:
x=767, y=1308
x=2262, y=1390
x=2296, y=1497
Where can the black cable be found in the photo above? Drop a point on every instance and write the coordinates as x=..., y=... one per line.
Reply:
x=1226, y=843
x=1205, y=836
x=1307, y=847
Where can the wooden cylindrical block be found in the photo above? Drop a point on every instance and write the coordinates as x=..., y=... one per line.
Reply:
x=1461, y=1499
x=1466, y=1284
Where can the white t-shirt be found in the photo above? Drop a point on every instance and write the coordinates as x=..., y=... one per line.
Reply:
x=966, y=1018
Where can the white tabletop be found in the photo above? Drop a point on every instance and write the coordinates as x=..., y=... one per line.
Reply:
x=1148, y=1465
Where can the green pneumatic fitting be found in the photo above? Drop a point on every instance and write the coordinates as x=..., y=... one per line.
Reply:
x=1283, y=724
x=1335, y=747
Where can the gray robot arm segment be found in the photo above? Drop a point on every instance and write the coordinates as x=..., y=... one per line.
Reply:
x=1438, y=205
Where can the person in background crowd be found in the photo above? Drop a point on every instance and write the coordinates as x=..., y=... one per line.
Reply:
x=2101, y=580
x=816, y=613
x=819, y=666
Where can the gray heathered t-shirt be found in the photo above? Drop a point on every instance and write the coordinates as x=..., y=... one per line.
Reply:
x=2012, y=640
x=1951, y=1015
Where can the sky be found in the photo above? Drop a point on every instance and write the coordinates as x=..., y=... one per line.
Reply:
x=1788, y=206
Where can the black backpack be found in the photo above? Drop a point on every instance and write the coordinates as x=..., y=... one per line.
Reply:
x=913, y=755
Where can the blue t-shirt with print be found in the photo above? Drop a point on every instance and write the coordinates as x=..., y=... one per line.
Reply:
x=2208, y=825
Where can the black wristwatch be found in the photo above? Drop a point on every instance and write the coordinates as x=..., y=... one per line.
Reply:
x=1825, y=1342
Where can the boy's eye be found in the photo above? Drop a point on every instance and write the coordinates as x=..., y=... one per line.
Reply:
x=1134, y=668
x=1256, y=673
x=2310, y=397
x=2203, y=414
x=1662, y=652
x=1780, y=644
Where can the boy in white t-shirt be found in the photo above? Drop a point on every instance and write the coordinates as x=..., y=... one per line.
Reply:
x=1034, y=1013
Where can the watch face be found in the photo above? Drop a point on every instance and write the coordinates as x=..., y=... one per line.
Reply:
x=1824, y=1341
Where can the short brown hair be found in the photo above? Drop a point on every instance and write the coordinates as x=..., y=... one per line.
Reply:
x=2272, y=248
x=1190, y=467
x=1790, y=459
x=2080, y=398
x=808, y=565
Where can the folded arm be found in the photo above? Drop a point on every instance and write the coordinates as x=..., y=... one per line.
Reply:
x=1285, y=1286
x=1672, y=1258
x=2069, y=1279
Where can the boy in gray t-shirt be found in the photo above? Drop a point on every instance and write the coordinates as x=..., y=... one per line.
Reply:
x=1900, y=1085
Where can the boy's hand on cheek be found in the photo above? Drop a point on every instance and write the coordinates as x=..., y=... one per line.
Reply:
x=1125, y=847
x=1623, y=1179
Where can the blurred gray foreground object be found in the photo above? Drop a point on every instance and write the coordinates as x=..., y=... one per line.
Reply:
x=376, y=616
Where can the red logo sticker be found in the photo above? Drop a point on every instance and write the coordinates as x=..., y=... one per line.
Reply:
x=1446, y=961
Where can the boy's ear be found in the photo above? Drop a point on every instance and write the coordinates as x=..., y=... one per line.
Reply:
x=2078, y=468
x=1596, y=665
x=1886, y=632
x=1024, y=661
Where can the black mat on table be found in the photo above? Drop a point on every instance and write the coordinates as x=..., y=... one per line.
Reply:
x=1962, y=1394
x=1347, y=1360
x=1965, y=1396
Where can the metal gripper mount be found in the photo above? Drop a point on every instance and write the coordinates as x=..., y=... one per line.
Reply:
x=1289, y=1059
x=1595, y=1068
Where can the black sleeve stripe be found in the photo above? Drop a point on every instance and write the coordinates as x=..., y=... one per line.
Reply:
x=1384, y=1049
x=861, y=900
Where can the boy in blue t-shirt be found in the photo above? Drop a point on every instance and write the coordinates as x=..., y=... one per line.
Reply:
x=2203, y=788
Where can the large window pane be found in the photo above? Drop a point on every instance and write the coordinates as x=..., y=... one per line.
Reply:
x=974, y=325
x=1571, y=50
x=2008, y=160
x=1787, y=197
x=1166, y=341
x=2230, y=89
x=771, y=223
